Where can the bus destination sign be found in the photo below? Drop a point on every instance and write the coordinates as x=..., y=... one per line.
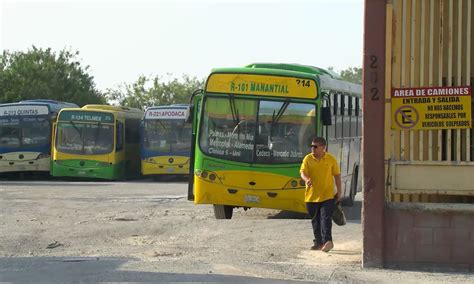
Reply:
x=86, y=116
x=431, y=108
x=23, y=110
x=167, y=113
x=264, y=85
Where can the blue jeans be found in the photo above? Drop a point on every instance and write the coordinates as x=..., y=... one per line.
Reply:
x=321, y=220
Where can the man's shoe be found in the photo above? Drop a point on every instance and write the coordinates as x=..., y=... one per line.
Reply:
x=327, y=246
x=316, y=247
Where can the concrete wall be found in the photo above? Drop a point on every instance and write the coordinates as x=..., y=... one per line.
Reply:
x=429, y=237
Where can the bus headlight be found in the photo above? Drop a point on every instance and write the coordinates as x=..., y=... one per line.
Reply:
x=212, y=177
x=294, y=183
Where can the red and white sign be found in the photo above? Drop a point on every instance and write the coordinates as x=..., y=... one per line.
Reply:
x=167, y=113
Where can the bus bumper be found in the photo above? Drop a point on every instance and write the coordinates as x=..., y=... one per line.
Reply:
x=207, y=192
x=37, y=165
x=163, y=166
x=110, y=172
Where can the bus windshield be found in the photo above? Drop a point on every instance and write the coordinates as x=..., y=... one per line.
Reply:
x=17, y=132
x=167, y=135
x=256, y=130
x=85, y=138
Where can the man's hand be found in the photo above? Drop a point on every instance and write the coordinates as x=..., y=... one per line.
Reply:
x=309, y=182
x=338, y=196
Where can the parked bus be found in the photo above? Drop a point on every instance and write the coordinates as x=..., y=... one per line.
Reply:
x=97, y=141
x=166, y=141
x=25, y=134
x=252, y=126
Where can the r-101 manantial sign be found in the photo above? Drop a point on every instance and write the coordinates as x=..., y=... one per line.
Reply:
x=431, y=108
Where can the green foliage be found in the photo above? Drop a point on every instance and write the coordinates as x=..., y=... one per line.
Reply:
x=44, y=74
x=351, y=74
x=146, y=92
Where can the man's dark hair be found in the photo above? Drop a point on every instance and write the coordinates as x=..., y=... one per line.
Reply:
x=320, y=140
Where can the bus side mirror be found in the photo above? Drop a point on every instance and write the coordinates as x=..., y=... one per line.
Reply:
x=326, y=116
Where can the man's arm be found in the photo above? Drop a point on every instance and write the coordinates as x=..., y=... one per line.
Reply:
x=306, y=179
x=337, y=179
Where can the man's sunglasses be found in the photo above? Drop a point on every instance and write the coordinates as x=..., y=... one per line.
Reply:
x=314, y=146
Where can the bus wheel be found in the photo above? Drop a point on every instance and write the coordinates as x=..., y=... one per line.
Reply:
x=349, y=201
x=223, y=211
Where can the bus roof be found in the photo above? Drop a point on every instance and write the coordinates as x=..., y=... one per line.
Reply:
x=53, y=106
x=112, y=108
x=327, y=80
x=181, y=106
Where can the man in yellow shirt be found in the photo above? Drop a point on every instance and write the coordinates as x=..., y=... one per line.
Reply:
x=320, y=171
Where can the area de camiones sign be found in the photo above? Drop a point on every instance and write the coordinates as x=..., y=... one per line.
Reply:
x=431, y=108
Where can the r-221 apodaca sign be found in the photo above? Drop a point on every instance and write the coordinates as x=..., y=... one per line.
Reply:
x=167, y=113
x=431, y=108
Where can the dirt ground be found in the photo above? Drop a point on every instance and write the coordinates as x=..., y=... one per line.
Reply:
x=154, y=224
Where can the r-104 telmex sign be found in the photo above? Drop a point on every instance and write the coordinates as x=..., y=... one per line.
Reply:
x=431, y=108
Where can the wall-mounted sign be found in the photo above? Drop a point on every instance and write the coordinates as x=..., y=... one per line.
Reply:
x=431, y=108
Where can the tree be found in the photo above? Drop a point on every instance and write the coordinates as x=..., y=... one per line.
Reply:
x=44, y=74
x=146, y=92
x=352, y=74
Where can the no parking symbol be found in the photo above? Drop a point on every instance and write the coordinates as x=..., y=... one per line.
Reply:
x=406, y=117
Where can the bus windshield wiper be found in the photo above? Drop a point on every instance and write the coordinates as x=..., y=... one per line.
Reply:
x=162, y=124
x=234, y=110
x=75, y=127
x=276, y=117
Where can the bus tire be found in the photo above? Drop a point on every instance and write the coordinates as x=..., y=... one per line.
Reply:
x=223, y=211
x=349, y=201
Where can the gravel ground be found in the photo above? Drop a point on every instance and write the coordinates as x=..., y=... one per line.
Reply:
x=154, y=224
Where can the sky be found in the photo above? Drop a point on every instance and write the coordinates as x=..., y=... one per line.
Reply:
x=121, y=40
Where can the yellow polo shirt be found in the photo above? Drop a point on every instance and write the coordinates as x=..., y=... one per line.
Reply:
x=322, y=174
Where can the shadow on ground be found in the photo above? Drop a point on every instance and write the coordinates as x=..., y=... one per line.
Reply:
x=353, y=214
x=95, y=269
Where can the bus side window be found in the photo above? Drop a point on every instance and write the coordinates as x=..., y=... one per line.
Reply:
x=340, y=117
x=119, y=140
x=343, y=104
x=352, y=120
x=358, y=127
x=331, y=128
x=356, y=109
x=350, y=106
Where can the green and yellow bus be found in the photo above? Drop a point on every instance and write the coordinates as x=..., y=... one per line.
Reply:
x=97, y=141
x=252, y=126
x=166, y=141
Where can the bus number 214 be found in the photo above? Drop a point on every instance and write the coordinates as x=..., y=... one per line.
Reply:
x=303, y=83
